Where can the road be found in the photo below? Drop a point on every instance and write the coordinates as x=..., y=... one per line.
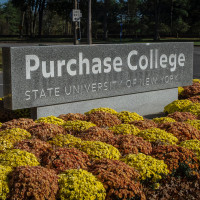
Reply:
x=196, y=65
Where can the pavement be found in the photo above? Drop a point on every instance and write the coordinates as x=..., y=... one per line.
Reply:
x=196, y=60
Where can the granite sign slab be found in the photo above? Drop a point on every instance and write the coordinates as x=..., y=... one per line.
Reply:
x=49, y=75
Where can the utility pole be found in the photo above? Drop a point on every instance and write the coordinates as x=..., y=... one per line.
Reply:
x=75, y=25
x=89, y=28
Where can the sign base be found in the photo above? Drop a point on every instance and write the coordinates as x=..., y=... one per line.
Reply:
x=146, y=103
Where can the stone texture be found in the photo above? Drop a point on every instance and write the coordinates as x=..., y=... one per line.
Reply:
x=91, y=86
x=143, y=103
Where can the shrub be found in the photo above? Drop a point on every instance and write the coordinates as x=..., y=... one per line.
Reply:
x=34, y=146
x=175, y=188
x=36, y=183
x=4, y=183
x=177, y=105
x=193, y=108
x=126, y=116
x=16, y=157
x=163, y=119
x=195, y=99
x=50, y=120
x=182, y=116
x=125, y=129
x=196, y=80
x=15, y=134
x=77, y=126
x=181, y=130
x=76, y=184
x=99, y=150
x=144, y=124
x=195, y=123
x=96, y=134
x=158, y=135
x=180, y=161
x=5, y=144
x=45, y=132
x=193, y=145
x=65, y=140
x=22, y=123
x=103, y=119
x=107, y=110
x=73, y=117
x=180, y=90
x=128, y=144
x=119, y=179
x=61, y=159
x=191, y=90
x=149, y=168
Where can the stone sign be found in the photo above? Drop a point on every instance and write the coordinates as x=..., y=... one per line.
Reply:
x=49, y=75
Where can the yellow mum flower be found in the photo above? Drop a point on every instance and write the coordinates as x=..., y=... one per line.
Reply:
x=107, y=110
x=126, y=116
x=148, y=167
x=177, y=105
x=51, y=120
x=99, y=150
x=163, y=119
x=78, y=184
x=125, y=129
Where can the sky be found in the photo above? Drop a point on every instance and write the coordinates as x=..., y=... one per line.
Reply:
x=3, y=1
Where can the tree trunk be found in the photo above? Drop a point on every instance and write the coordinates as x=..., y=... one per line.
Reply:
x=157, y=23
x=22, y=25
x=75, y=25
x=41, y=11
x=89, y=28
x=105, y=24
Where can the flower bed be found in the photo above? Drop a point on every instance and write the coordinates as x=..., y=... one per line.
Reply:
x=104, y=154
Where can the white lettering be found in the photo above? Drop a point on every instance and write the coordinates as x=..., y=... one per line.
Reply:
x=30, y=68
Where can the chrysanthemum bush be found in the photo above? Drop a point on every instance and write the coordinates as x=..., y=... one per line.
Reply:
x=120, y=180
x=163, y=119
x=193, y=108
x=103, y=119
x=76, y=184
x=181, y=130
x=34, y=182
x=125, y=129
x=150, y=169
x=65, y=140
x=126, y=116
x=131, y=144
x=23, y=123
x=191, y=90
x=51, y=120
x=45, y=131
x=158, y=135
x=193, y=145
x=194, y=123
x=34, y=146
x=195, y=99
x=99, y=150
x=4, y=181
x=77, y=126
x=5, y=143
x=73, y=117
x=17, y=157
x=101, y=109
x=177, y=105
x=182, y=116
x=61, y=159
x=96, y=134
x=144, y=124
x=15, y=134
x=180, y=161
